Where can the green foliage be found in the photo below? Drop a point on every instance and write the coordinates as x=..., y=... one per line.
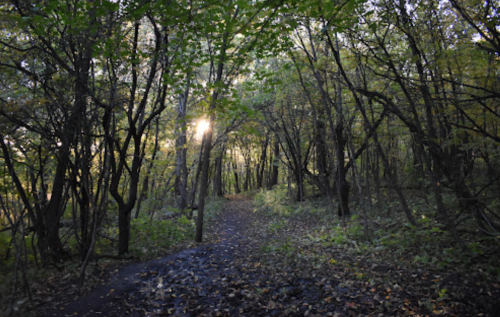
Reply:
x=428, y=244
x=278, y=224
x=351, y=236
x=442, y=293
x=273, y=201
x=286, y=248
x=213, y=208
x=329, y=237
x=6, y=248
x=153, y=238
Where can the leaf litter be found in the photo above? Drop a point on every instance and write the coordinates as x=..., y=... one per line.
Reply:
x=252, y=267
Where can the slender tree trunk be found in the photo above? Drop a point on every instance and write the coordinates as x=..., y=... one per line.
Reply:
x=437, y=159
x=275, y=165
x=145, y=182
x=261, y=165
x=208, y=142
x=236, y=174
x=197, y=176
x=246, y=183
x=366, y=171
x=204, y=179
x=218, y=173
x=340, y=181
x=360, y=107
x=321, y=159
x=181, y=173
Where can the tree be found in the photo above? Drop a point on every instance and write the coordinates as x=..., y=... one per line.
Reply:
x=229, y=57
x=63, y=122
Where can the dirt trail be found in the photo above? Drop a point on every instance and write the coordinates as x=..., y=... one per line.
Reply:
x=159, y=287
x=232, y=276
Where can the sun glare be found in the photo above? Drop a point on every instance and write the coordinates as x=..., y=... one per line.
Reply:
x=202, y=126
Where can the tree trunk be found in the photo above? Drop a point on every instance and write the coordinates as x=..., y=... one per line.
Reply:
x=261, y=165
x=246, y=183
x=276, y=161
x=236, y=175
x=366, y=171
x=181, y=173
x=340, y=181
x=218, y=173
x=123, y=229
x=208, y=142
x=145, y=183
x=367, y=127
x=204, y=180
x=321, y=159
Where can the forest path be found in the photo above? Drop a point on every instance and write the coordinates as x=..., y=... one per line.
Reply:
x=166, y=286
x=237, y=273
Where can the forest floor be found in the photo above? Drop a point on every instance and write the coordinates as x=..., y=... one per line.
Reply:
x=239, y=273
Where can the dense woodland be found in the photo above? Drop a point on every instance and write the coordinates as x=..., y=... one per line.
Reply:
x=114, y=114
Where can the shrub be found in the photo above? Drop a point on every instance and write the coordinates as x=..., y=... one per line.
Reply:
x=273, y=201
x=153, y=237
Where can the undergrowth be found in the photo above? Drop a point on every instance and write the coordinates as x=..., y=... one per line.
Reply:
x=154, y=237
x=213, y=208
x=392, y=239
x=276, y=202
